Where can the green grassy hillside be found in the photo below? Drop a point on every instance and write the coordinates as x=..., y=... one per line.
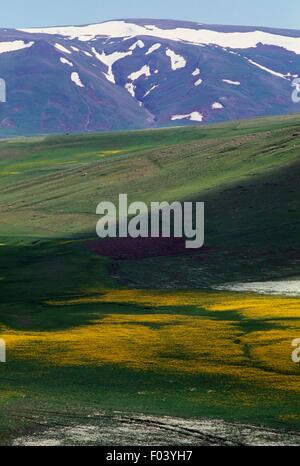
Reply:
x=57, y=295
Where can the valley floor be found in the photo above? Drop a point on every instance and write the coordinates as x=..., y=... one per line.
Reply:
x=106, y=339
x=121, y=429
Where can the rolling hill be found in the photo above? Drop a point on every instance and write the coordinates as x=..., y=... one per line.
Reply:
x=102, y=335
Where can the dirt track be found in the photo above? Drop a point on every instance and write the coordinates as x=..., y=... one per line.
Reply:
x=120, y=429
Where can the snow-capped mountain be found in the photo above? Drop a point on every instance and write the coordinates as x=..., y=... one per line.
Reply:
x=143, y=73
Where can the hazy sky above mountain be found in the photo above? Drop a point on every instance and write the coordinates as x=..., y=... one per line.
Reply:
x=26, y=13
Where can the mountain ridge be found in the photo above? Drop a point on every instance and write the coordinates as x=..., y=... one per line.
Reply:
x=122, y=74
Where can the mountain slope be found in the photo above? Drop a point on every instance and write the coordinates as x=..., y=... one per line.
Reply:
x=92, y=334
x=143, y=73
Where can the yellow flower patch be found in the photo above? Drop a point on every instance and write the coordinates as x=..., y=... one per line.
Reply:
x=187, y=344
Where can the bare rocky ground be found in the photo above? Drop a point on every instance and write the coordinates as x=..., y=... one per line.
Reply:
x=120, y=429
x=282, y=287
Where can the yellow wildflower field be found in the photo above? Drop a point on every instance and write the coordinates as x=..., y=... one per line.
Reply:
x=251, y=344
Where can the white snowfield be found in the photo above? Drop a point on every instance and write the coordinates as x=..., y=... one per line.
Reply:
x=76, y=79
x=284, y=287
x=6, y=47
x=177, y=61
x=194, y=116
x=201, y=36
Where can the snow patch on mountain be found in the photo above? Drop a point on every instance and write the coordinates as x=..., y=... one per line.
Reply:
x=76, y=79
x=144, y=71
x=61, y=48
x=233, y=83
x=6, y=47
x=198, y=82
x=66, y=62
x=139, y=44
x=150, y=90
x=199, y=36
x=153, y=48
x=130, y=87
x=177, y=61
x=268, y=70
x=217, y=106
x=109, y=60
x=194, y=116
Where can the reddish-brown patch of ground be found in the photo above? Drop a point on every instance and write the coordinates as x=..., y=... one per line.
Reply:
x=139, y=248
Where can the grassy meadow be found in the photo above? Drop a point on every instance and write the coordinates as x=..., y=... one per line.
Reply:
x=146, y=332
